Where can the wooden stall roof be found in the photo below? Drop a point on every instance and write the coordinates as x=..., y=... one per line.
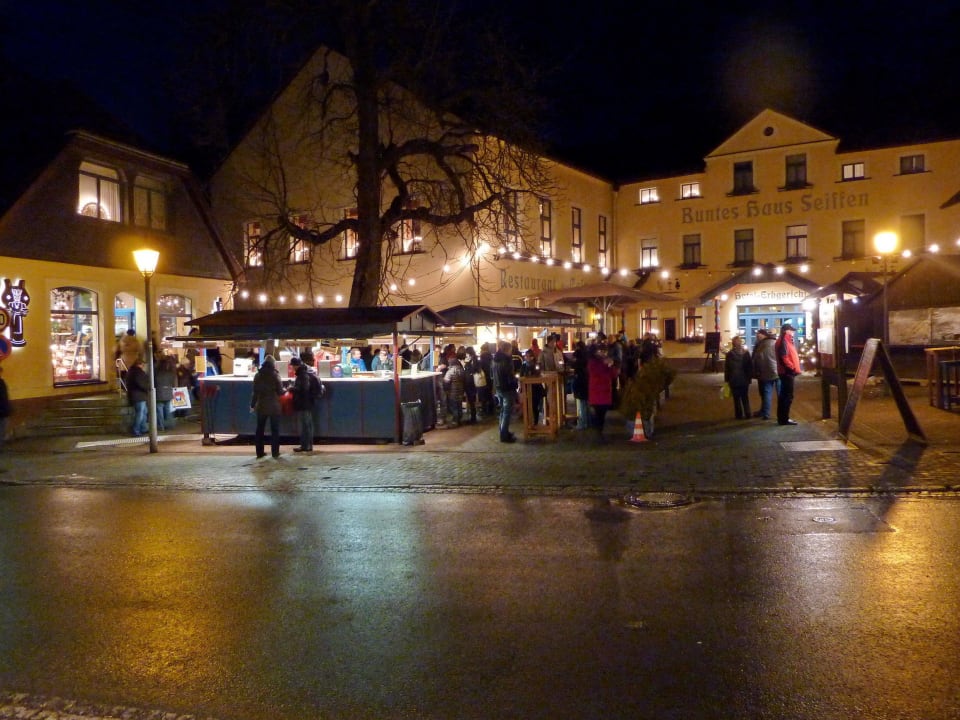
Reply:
x=315, y=323
x=518, y=316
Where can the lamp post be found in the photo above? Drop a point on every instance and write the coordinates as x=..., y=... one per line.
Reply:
x=147, y=264
x=885, y=243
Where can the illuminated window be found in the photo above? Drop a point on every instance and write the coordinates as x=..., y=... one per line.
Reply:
x=691, y=250
x=149, y=203
x=690, y=190
x=603, y=259
x=796, y=242
x=796, y=171
x=74, y=335
x=648, y=321
x=649, y=256
x=649, y=195
x=854, y=238
x=99, y=194
x=546, y=227
x=853, y=171
x=742, y=247
x=252, y=244
x=174, y=311
x=350, y=239
x=576, y=237
x=409, y=234
x=299, y=249
x=692, y=322
x=910, y=164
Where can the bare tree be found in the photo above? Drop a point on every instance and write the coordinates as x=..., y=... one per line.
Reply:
x=427, y=142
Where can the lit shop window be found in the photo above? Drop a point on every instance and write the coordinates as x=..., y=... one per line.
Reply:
x=174, y=311
x=74, y=335
x=99, y=192
x=649, y=195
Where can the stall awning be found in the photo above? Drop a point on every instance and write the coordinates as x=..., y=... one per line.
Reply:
x=470, y=315
x=315, y=323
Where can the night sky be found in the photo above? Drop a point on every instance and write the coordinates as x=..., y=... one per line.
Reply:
x=633, y=90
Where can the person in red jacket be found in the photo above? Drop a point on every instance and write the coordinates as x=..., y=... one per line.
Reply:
x=788, y=367
x=602, y=372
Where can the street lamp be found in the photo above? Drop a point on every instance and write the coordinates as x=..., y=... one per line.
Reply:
x=147, y=264
x=885, y=243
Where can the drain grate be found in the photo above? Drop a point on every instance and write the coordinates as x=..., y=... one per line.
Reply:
x=656, y=500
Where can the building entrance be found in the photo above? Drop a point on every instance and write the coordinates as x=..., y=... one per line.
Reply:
x=751, y=318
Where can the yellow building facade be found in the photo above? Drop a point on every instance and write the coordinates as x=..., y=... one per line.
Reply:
x=780, y=210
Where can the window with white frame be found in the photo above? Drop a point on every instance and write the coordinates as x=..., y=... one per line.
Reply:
x=910, y=164
x=853, y=171
x=253, y=244
x=853, y=233
x=299, y=249
x=603, y=259
x=149, y=203
x=649, y=195
x=691, y=250
x=743, y=246
x=99, y=192
x=796, y=241
x=350, y=238
x=576, y=235
x=546, y=227
x=689, y=190
x=648, y=253
x=74, y=335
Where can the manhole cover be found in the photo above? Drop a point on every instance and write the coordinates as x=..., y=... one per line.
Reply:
x=824, y=519
x=657, y=500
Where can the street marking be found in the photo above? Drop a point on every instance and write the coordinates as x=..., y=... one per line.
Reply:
x=814, y=445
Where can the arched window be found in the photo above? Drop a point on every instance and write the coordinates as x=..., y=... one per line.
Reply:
x=74, y=336
x=174, y=311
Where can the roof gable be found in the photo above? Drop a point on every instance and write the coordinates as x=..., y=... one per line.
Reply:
x=770, y=130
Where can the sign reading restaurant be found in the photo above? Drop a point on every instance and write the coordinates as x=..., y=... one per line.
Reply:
x=809, y=202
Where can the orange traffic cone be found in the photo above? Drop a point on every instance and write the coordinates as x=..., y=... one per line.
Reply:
x=638, y=435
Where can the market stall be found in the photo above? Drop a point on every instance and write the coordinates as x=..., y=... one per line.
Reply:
x=361, y=406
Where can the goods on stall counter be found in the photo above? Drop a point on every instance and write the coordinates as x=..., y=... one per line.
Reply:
x=336, y=371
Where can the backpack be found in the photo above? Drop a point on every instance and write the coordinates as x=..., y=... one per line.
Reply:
x=317, y=390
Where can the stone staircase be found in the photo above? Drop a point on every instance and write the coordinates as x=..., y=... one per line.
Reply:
x=103, y=414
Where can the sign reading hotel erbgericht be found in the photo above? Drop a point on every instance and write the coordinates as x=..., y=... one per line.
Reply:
x=809, y=202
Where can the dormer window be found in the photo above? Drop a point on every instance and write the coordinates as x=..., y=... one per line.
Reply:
x=99, y=192
x=149, y=203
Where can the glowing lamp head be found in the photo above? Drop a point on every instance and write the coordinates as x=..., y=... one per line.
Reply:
x=885, y=242
x=146, y=261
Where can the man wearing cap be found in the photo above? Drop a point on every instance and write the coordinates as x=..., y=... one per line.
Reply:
x=765, y=370
x=788, y=367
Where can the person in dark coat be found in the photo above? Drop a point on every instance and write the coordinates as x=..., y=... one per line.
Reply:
x=505, y=386
x=306, y=391
x=5, y=409
x=738, y=373
x=138, y=392
x=265, y=402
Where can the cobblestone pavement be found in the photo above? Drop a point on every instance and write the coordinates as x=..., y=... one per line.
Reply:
x=22, y=706
x=698, y=448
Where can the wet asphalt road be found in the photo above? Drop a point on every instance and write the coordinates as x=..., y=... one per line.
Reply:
x=287, y=604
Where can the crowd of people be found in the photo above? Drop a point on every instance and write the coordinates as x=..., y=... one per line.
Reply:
x=774, y=363
x=486, y=384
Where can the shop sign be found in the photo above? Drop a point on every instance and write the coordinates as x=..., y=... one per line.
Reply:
x=756, y=209
x=14, y=301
